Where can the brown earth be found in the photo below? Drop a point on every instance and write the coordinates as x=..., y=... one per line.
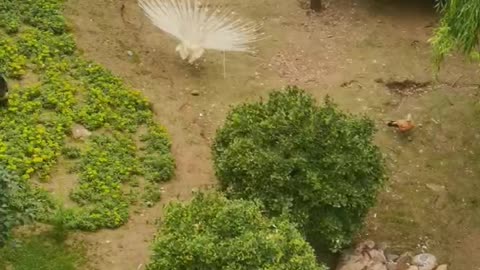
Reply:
x=346, y=52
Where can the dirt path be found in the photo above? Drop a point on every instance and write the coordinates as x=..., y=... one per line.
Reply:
x=341, y=52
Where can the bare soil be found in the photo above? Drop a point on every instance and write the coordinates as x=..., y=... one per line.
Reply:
x=431, y=200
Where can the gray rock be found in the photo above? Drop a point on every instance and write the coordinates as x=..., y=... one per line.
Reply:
x=403, y=262
x=357, y=264
x=369, y=243
x=377, y=256
x=391, y=266
x=354, y=259
x=392, y=257
x=425, y=261
x=381, y=246
x=377, y=266
x=79, y=132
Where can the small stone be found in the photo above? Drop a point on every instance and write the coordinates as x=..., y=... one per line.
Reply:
x=435, y=187
x=377, y=266
x=413, y=267
x=369, y=244
x=194, y=93
x=404, y=261
x=79, y=132
x=391, y=266
x=425, y=261
x=382, y=245
x=108, y=242
x=377, y=256
x=442, y=267
x=392, y=257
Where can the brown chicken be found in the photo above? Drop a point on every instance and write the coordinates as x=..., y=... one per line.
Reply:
x=402, y=125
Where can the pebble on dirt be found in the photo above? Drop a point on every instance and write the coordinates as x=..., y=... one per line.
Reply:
x=195, y=93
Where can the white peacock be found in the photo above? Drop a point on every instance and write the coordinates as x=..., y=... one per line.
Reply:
x=198, y=28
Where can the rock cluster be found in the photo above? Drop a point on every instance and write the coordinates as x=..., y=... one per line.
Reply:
x=370, y=256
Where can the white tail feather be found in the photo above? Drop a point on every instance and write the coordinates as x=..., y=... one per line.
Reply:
x=199, y=28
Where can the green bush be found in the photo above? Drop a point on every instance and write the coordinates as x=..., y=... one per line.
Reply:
x=19, y=204
x=315, y=163
x=213, y=233
x=157, y=162
x=8, y=213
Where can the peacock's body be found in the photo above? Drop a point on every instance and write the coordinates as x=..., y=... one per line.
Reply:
x=198, y=28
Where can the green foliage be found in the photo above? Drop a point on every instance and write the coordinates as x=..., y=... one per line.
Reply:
x=70, y=90
x=8, y=211
x=31, y=138
x=108, y=102
x=152, y=194
x=43, y=48
x=459, y=29
x=19, y=204
x=45, y=15
x=107, y=163
x=12, y=62
x=157, y=162
x=41, y=253
x=71, y=152
x=212, y=233
x=317, y=164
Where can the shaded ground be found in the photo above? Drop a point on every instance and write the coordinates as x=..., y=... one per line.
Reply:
x=430, y=200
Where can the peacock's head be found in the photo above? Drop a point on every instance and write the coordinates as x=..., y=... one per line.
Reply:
x=182, y=50
x=190, y=50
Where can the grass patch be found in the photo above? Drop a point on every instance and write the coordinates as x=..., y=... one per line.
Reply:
x=41, y=253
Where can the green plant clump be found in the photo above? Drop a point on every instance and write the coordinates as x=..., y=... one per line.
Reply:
x=108, y=102
x=459, y=29
x=107, y=163
x=41, y=253
x=64, y=89
x=315, y=163
x=45, y=15
x=157, y=162
x=213, y=233
x=19, y=204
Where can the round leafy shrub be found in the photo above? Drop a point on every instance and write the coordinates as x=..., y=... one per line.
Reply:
x=213, y=233
x=315, y=163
